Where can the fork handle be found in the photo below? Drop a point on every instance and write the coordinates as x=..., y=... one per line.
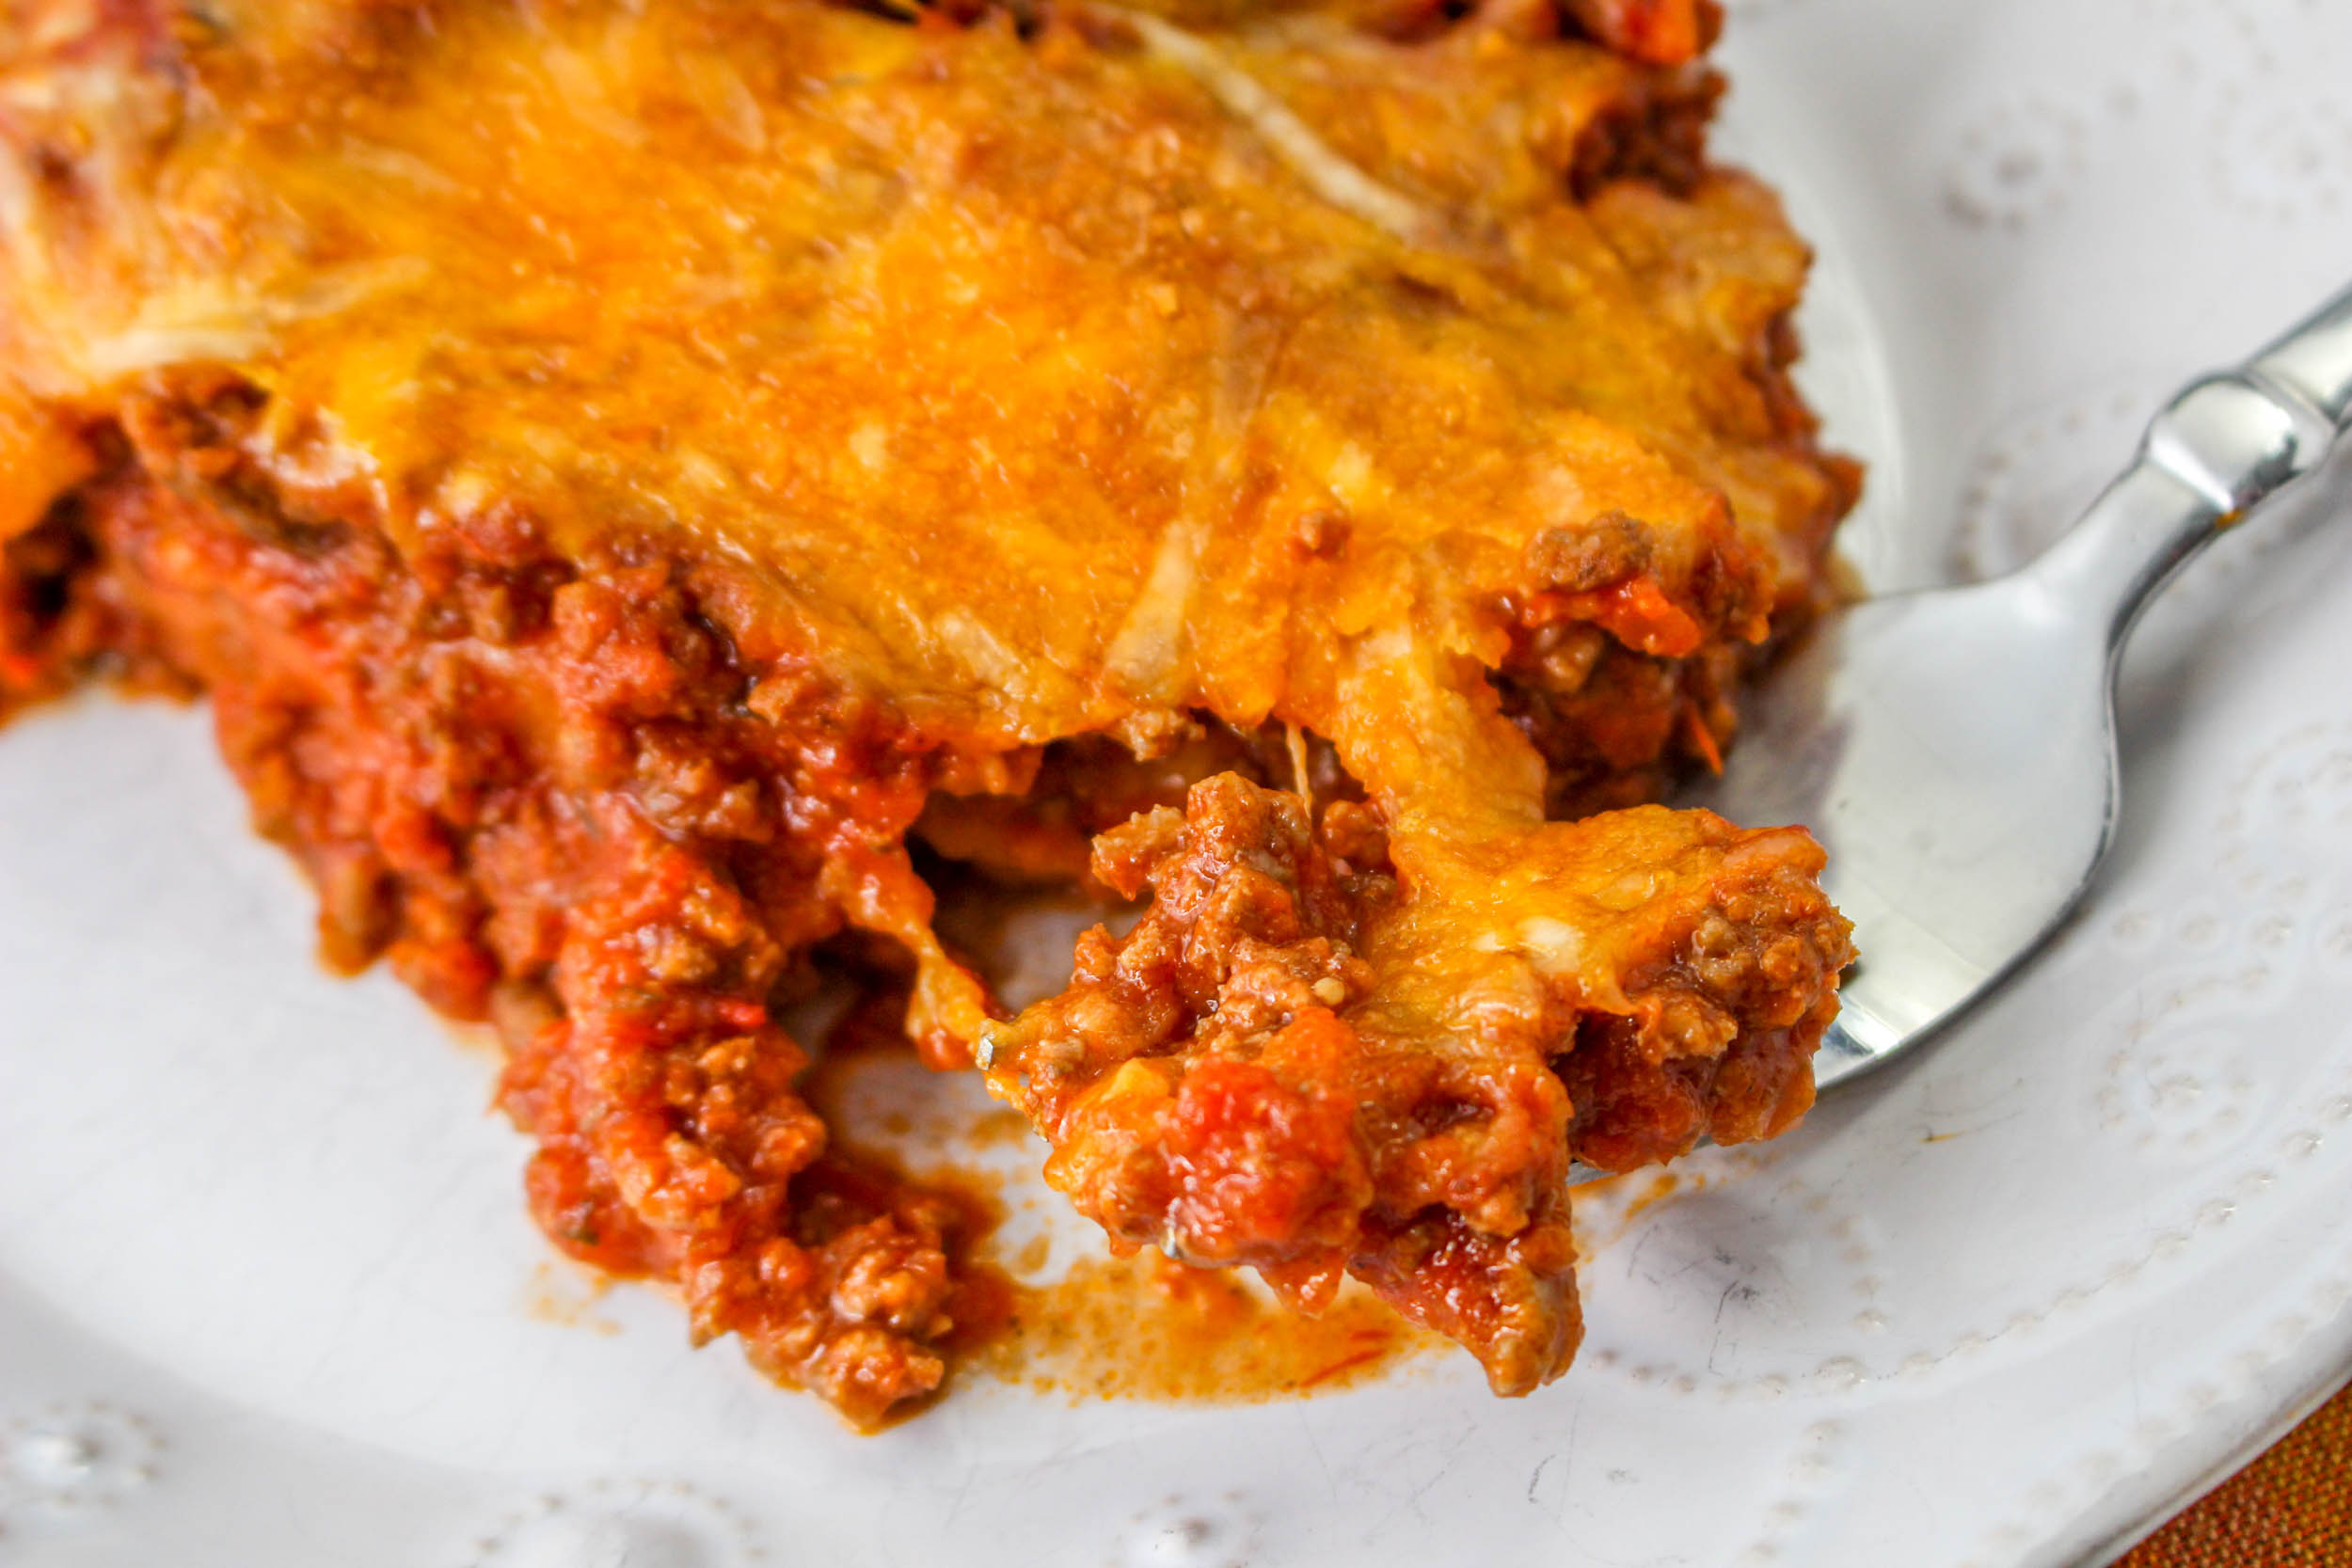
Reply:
x=2314, y=362
x=2224, y=446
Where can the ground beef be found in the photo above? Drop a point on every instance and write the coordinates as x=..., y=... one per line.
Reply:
x=1211, y=1086
x=541, y=794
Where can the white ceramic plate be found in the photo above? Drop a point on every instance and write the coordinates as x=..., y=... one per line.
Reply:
x=264, y=1271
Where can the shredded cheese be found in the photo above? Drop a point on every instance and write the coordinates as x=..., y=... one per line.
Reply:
x=212, y=321
x=1143, y=657
x=1330, y=176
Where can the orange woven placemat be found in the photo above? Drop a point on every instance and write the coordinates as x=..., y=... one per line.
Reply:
x=2292, y=1508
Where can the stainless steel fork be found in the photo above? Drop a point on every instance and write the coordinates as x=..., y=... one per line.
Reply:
x=1955, y=750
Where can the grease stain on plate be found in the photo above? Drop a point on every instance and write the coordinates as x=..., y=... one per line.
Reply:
x=1146, y=1328
x=567, y=1295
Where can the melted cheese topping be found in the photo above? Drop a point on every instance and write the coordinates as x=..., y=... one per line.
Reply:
x=1036, y=386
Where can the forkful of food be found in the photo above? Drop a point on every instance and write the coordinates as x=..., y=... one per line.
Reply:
x=1954, y=749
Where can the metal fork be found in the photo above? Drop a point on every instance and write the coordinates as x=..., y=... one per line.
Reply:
x=1954, y=749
